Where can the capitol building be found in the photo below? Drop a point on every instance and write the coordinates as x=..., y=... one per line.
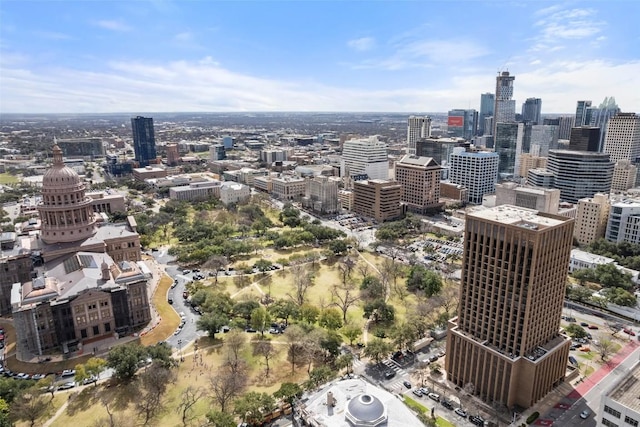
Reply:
x=85, y=282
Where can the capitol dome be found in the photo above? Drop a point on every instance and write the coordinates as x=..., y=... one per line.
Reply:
x=61, y=176
x=366, y=410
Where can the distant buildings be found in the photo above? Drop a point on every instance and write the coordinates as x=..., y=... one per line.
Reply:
x=420, y=180
x=81, y=147
x=196, y=191
x=234, y=193
x=506, y=146
x=583, y=117
x=462, y=123
x=591, y=219
x=377, y=199
x=173, y=155
x=487, y=105
x=417, y=127
x=585, y=138
x=532, y=110
x=144, y=140
x=541, y=199
x=505, y=106
x=477, y=172
x=288, y=188
x=365, y=157
x=506, y=339
x=624, y=176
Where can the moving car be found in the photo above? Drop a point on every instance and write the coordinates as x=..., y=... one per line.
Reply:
x=68, y=373
x=407, y=384
x=585, y=414
x=67, y=385
x=389, y=374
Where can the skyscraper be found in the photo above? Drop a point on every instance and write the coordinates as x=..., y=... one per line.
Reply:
x=505, y=107
x=580, y=174
x=531, y=111
x=365, y=157
x=585, y=138
x=582, y=114
x=462, y=123
x=420, y=180
x=599, y=116
x=487, y=104
x=477, y=172
x=506, y=340
x=505, y=144
x=417, y=128
x=622, y=140
x=144, y=140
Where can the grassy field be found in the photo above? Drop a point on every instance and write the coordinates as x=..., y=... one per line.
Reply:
x=6, y=178
x=170, y=319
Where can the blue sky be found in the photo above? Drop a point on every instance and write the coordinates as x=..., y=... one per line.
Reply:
x=404, y=56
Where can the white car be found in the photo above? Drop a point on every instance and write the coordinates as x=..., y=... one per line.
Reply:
x=585, y=414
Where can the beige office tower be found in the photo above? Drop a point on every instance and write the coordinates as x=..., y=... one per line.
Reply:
x=505, y=344
x=624, y=176
x=591, y=218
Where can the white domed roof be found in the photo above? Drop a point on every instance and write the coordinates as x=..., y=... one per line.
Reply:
x=366, y=410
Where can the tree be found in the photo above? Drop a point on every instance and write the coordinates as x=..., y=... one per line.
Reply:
x=302, y=281
x=283, y=309
x=620, y=296
x=5, y=421
x=380, y=311
x=351, y=332
x=377, y=349
x=216, y=263
x=220, y=419
x=234, y=343
x=245, y=308
x=330, y=342
x=29, y=406
x=288, y=392
x=372, y=288
x=95, y=366
x=266, y=350
x=344, y=296
x=211, y=323
x=309, y=313
x=188, y=399
x=345, y=361
x=403, y=335
x=317, y=376
x=579, y=293
x=263, y=265
x=124, y=360
x=330, y=318
x=161, y=354
x=253, y=406
x=152, y=385
x=575, y=331
x=425, y=280
x=293, y=337
x=260, y=319
x=604, y=347
x=338, y=247
x=226, y=385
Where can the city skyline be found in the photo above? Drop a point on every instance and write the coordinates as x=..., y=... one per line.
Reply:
x=163, y=56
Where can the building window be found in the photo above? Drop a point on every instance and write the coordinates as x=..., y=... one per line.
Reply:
x=96, y=330
x=608, y=423
x=610, y=410
x=83, y=333
x=630, y=421
x=107, y=327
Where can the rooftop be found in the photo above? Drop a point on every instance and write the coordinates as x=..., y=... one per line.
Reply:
x=513, y=215
x=627, y=391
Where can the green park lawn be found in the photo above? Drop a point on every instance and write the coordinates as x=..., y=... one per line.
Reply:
x=6, y=178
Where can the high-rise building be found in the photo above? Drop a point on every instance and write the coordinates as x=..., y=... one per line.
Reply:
x=144, y=140
x=591, y=218
x=487, y=104
x=417, y=127
x=462, y=123
x=81, y=147
x=506, y=341
x=530, y=161
x=321, y=194
x=365, y=157
x=624, y=222
x=439, y=149
x=582, y=114
x=622, y=140
x=532, y=111
x=377, y=199
x=624, y=176
x=544, y=137
x=505, y=144
x=476, y=171
x=173, y=155
x=599, y=117
x=420, y=180
x=505, y=107
x=585, y=138
x=580, y=174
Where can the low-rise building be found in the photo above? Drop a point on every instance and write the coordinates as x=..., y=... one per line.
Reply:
x=321, y=194
x=233, y=193
x=148, y=172
x=378, y=199
x=288, y=187
x=196, y=191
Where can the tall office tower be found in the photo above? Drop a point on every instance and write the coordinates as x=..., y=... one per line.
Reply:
x=378, y=199
x=439, y=149
x=173, y=155
x=506, y=340
x=624, y=176
x=487, y=103
x=420, y=180
x=580, y=174
x=591, y=218
x=582, y=117
x=599, y=117
x=532, y=110
x=622, y=140
x=362, y=157
x=506, y=145
x=545, y=137
x=477, y=172
x=462, y=123
x=585, y=138
x=622, y=225
x=504, y=107
x=144, y=140
x=565, y=124
x=417, y=127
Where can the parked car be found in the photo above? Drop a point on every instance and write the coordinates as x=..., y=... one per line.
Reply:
x=389, y=374
x=92, y=379
x=417, y=392
x=584, y=324
x=629, y=332
x=434, y=396
x=477, y=420
x=585, y=414
x=68, y=373
x=170, y=300
x=461, y=412
x=67, y=385
x=37, y=376
x=407, y=384
x=447, y=404
x=592, y=327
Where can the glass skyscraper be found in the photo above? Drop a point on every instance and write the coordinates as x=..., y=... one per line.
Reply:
x=144, y=140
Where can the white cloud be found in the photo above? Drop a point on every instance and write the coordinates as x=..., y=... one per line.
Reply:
x=113, y=25
x=362, y=44
x=52, y=35
x=183, y=37
x=204, y=85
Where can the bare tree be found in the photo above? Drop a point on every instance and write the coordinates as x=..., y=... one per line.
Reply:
x=215, y=264
x=293, y=336
x=449, y=297
x=604, y=348
x=345, y=267
x=225, y=385
x=363, y=269
x=344, y=296
x=612, y=328
x=190, y=396
x=392, y=270
x=266, y=350
x=302, y=281
x=152, y=384
x=234, y=342
x=30, y=405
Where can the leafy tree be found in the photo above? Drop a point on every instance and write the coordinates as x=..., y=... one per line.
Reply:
x=220, y=419
x=351, y=332
x=5, y=421
x=424, y=280
x=253, y=406
x=245, y=308
x=575, y=331
x=338, y=247
x=380, y=310
x=377, y=349
x=215, y=263
x=30, y=406
x=372, y=288
x=124, y=360
x=620, y=296
x=317, y=376
x=579, y=293
x=403, y=335
x=263, y=265
x=331, y=342
x=288, y=392
x=345, y=361
x=260, y=319
x=283, y=309
x=309, y=313
x=330, y=318
x=211, y=323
